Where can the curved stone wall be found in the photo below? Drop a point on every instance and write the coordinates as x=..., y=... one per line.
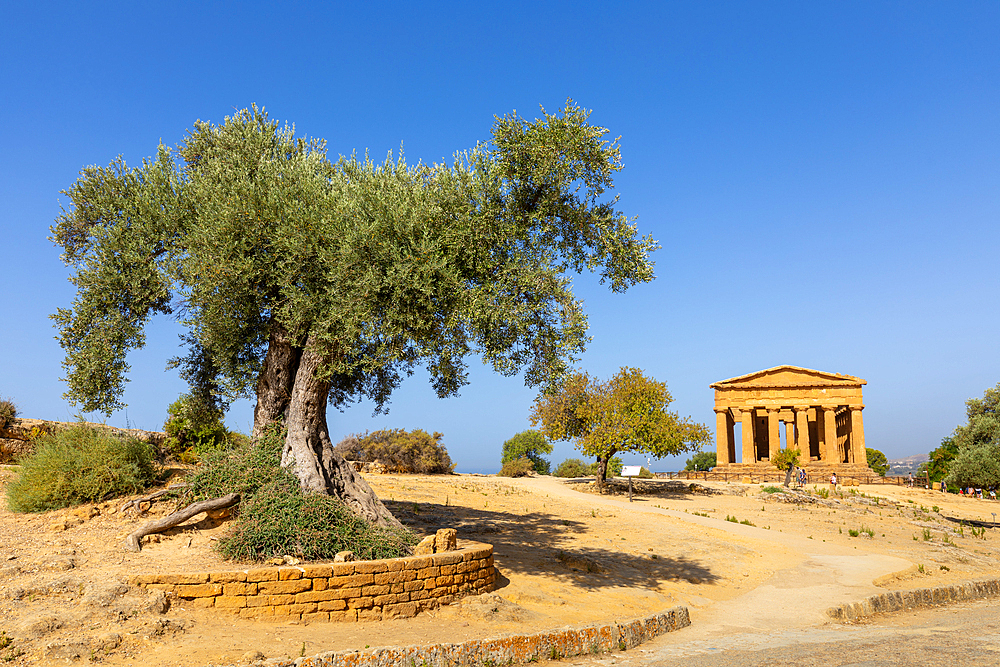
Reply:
x=357, y=591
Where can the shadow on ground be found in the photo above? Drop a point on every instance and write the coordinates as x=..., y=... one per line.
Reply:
x=541, y=543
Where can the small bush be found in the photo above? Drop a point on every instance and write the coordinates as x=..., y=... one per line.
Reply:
x=517, y=468
x=770, y=489
x=701, y=461
x=531, y=444
x=194, y=429
x=243, y=470
x=8, y=412
x=399, y=451
x=281, y=519
x=644, y=473
x=572, y=468
x=80, y=464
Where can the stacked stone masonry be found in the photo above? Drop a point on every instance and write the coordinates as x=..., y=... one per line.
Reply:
x=509, y=650
x=354, y=591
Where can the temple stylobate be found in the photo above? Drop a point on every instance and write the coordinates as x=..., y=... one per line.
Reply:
x=818, y=413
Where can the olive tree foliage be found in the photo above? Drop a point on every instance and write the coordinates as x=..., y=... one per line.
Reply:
x=970, y=456
x=305, y=281
x=701, y=461
x=877, y=461
x=626, y=414
x=531, y=445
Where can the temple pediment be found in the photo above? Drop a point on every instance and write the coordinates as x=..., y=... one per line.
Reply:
x=788, y=376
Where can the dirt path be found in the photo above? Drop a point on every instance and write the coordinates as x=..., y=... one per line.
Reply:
x=565, y=557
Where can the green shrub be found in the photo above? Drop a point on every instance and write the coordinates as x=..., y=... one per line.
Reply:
x=644, y=473
x=243, y=470
x=80, y=464
x=701, y=461
x=281, y=519
x=771, y=489
x=8, y=412
x=517, y=468
x=572, y=468
x=531, y=444
x=194, y=428
x=399, y=451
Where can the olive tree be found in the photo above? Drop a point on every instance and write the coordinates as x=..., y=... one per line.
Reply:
x=306, y=281
x=627, y=413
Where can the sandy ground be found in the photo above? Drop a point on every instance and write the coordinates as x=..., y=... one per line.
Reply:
x=566, y=556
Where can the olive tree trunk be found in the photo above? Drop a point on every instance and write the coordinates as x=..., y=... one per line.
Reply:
x=274, y=387
x=308, y=450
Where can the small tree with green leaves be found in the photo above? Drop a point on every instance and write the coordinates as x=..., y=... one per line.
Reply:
x=528, y=444
x=701, y=461
x=877, y=461
x=787, y=460
x=627, y=413
x=977, y=466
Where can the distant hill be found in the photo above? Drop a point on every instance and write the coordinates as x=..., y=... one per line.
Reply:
x=906, y=464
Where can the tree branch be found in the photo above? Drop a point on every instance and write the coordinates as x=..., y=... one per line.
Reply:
x=179, y=517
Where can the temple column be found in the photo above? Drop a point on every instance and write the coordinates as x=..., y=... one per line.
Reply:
x=790, y=435
x=830, y=431
x=722, y=436
x=802, y=430
x=773, y=433
x=746, y=415
x=858, y=435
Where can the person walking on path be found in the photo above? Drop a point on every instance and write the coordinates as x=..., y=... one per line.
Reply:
x=833, y=482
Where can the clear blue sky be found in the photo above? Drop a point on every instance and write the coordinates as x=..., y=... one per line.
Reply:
x=823, y=177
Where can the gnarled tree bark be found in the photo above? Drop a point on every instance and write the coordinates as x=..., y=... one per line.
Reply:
x=274, y=386
x=309, y=451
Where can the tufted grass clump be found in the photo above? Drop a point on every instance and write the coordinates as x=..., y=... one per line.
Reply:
x=80, y=464
x=8, y=412
x=276, y=517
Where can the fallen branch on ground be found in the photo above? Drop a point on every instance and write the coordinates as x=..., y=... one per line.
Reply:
x=134, y=540
x=153, y=496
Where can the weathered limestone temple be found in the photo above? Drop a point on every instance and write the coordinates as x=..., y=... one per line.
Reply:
x=818, y=413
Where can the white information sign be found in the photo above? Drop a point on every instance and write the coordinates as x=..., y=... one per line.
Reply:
x=631, y=471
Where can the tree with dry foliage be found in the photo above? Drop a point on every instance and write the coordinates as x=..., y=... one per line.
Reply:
x=626, y=414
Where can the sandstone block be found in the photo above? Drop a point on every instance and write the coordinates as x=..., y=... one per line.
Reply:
x=371, y=567
x=199, y=603
x=342, y=569
x=445, y=540
x=303, y=608
x=227, y=577
x=344, y=557
x=369, y=614
x=316, y=617
x=288, y=587
x=413, y=586
x=256, y=612
x=352, y=581
x=231, y=601
x=400, y=610
x=289, y=573
x=363, y=602
x=239, y=589
x=384, y=578
x=263, y=574
x=374, y=590
x=331, y=605
x=316, y=596
x=448, y=569
x=349, y=615
x=428, y=573
x=198, y=578
x=448, y=558
x=258, y=600
x=198, y=590
x=317, y=571
x=419, y=563
x=320, y=584
x=424, y=547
